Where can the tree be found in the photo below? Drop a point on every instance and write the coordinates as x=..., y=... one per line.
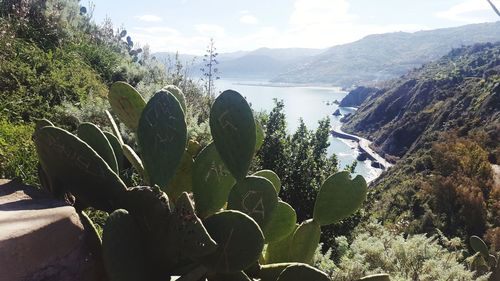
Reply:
x=209, y=70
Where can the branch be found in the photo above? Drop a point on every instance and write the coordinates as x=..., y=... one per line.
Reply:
x=494, y=8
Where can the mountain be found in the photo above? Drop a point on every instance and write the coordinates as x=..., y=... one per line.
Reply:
x=263, y=63
x=357, y=96
x=441, y=125
x=385, y=56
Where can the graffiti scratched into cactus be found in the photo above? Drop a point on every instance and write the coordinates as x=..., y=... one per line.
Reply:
x=200, y=217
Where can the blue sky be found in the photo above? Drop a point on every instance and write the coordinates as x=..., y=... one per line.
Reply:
x=187, y=25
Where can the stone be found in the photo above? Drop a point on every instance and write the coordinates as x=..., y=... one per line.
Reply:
x=42, y=238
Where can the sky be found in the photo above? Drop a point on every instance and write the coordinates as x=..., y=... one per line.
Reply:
x=186, y=26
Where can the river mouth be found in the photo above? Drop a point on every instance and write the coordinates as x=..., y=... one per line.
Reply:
x=311, y=103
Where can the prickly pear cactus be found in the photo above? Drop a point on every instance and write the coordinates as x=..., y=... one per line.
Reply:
x=282, y=222
x=188, y=232
x=96, y=139
x=339, y=197
x=254, y=196
x=78, y=167
x=272, y=177
x=240, y=242
x=123, y=249
x=300, y=272
x=212, y=182
x=376, y=277
x=183, y=179
x=478, y=245
x=233, y=130
x=178, y=94
x=305, y=241
x=162, y=137
x=127, y=103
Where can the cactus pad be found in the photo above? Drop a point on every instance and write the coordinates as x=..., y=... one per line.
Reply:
x=187, y=231
x=305, y=241
x=123, y=254
x=271, y=176
x=339, y=197
x=233, y=130
x=376, y=277
x=162, y=137
x=212, y=182
x=254, y=196
x=78, y=167
x=240, y=242
x=282, y=223
x=279, y=252
x=301, y=272
x=178, y=94
x=183, y=179
x=478, y=245
x=127, y=103
x=94, y=137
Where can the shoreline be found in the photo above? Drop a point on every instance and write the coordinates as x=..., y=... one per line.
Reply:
x=363, y=146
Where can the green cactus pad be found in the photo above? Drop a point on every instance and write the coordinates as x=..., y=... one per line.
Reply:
x=193, y=147
x=233, y=130
x=116, y=131
x=40, y=123
x=282, y=223
x=272, y=176
x=271, y=272
x=239, y=276
x=305, y=241
x=254, y=196
x=126, y=103
x=94, y=137
x=178, y=94
x=259, y=136
x=376, y=277
x=212, y=182
x=183, y=178
x=187, y=231
x=117, y=149
x=279, y=252
x=162, y=137
x=339, y=197
x=302, y=272
x=134, y=159
x=478, y=245
x=239, y=238
x=123, y=254
x=78, y=167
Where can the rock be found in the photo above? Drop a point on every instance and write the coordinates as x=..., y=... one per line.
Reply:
x=362, y=156
x=376, y=164
x=337, y=113
x=42, y=238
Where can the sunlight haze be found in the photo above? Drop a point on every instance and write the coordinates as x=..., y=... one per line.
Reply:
x=187, y=25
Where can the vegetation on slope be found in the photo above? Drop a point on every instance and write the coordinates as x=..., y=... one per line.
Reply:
x=443, y=122
x=386, y=56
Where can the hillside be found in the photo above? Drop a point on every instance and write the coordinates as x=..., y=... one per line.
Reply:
x=385, y=56
x=443, y=122
x=263, y=63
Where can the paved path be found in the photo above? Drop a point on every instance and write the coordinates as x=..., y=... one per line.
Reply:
x=363, y=146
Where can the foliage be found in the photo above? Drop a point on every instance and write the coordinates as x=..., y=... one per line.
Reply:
x=376, y=249
x=17, y=154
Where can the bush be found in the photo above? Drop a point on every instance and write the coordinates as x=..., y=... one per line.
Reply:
x=376, y=249
x=17, y=153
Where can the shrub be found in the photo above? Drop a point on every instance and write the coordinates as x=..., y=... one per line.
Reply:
x=17, y=153
x=377, y=249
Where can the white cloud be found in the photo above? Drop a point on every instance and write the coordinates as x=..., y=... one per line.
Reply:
x=210, y=30
x=149, y=18
x=248, y=19
x=464, y=12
